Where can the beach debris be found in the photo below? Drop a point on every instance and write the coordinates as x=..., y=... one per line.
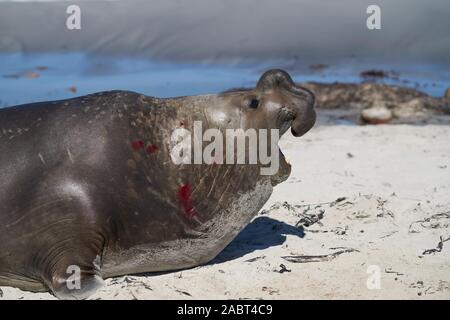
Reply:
x=389, y=270
x=436, y=221
x=279, y=205
x=382, y=211
x=183, y=292
x=146, y=286
x=340, y=231
x=133, y=295
x=270, y=290
x=389, y=234
x=338, y=200
x=441, y=286
x=432, y=289
x=417, y=285
x=378, y=114
x=129, y=282
x=359, y=214
x=128, y=279
x=309, y=214
x=438, y=248
x=308, y=219
x=283, y=269
x=255, y=259
x=317, y=258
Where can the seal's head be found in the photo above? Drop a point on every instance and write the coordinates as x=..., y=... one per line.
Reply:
x=284, y=104
x=275, y=103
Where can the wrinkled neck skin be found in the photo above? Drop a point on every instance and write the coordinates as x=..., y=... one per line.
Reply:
x=226, y=196
x=214, y=112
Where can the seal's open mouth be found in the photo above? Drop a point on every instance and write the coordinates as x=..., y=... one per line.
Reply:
x=284, y=170
x=299, y=126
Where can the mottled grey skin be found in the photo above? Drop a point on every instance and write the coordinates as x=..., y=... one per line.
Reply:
x=81, y=183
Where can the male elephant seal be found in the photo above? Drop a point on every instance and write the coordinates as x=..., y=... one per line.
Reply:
x=89, y=189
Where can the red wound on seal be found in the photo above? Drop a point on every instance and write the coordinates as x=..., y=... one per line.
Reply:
x=152, y=148
x=184, y=193
x=137, y=145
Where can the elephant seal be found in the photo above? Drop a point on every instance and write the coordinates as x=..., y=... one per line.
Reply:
x=88, y=189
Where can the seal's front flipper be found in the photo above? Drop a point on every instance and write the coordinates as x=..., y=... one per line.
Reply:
x=76, y=287
x=74, y=272
x=75, y=282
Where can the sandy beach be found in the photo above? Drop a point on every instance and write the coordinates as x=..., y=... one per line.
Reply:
x=361, y=202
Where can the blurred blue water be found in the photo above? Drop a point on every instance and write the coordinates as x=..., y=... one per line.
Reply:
x=28, y=78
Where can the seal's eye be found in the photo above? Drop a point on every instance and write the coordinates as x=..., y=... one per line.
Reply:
x=254, y=103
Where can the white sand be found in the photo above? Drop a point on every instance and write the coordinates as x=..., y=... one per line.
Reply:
x=395, y=175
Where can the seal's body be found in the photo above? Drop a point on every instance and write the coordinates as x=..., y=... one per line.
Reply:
x=88, y=189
